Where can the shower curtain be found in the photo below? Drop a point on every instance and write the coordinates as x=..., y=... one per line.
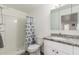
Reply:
x=30, y=30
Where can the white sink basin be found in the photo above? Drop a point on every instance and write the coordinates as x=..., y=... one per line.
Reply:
x=33, y=48
x=57, y=38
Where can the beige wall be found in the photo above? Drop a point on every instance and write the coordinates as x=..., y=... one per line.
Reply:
x=13, y=41
x=42, y=20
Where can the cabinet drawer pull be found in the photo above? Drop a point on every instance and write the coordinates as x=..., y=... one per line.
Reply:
x=57, y=52
x=53, y=50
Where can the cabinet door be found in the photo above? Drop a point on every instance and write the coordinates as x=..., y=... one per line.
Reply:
x=55, y=20
x=55, y=48
x=76, y=50
x=48, y=50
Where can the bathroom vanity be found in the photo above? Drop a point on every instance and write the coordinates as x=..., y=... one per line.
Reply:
x=54, y=45
x=64, y=27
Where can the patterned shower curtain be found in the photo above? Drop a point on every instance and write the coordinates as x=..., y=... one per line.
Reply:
x=30, y=31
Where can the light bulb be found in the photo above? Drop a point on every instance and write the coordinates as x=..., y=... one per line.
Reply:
x=15, y=21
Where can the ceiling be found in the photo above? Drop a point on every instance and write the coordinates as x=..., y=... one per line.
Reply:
x=24, y=7
x=29, y=7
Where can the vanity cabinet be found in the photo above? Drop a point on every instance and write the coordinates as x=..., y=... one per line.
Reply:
x=55, y=48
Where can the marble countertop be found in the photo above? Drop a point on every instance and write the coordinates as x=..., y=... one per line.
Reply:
x=68, y=41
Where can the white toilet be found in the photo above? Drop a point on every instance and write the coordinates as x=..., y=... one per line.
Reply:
x=34, y=49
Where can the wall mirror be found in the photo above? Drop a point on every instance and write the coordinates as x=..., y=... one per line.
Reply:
x=65, y=17
x=69, y=22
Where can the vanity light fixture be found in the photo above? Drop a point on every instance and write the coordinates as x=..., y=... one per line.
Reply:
x=15, y=21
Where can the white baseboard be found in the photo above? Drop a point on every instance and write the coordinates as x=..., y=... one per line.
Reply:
x=12, y=52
